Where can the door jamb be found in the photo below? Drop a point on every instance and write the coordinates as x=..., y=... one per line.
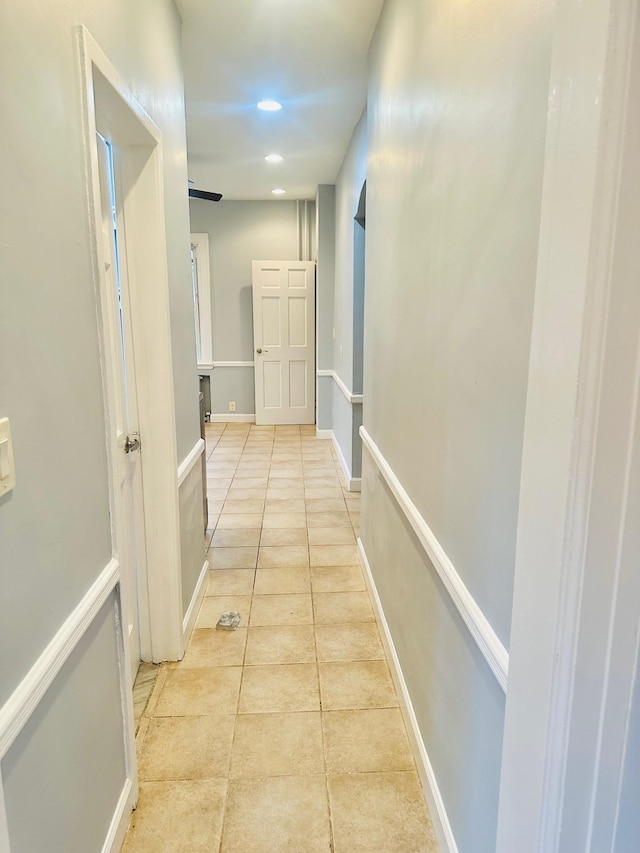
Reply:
x=105, y=93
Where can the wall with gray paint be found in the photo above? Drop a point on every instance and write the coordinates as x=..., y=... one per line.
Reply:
x=240, y=232
x=456, y=120
x=347, y=347
x=55, y=526
x=64, y=773
x=325, y=278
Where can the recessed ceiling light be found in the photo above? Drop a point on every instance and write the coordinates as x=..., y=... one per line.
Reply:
x=278, y=191
x=269, y=106
x=274, y=158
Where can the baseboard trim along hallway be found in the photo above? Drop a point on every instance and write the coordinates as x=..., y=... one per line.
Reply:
x=437, y=809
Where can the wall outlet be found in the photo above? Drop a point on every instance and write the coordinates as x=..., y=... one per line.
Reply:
x=340, y=352
x=232, y=405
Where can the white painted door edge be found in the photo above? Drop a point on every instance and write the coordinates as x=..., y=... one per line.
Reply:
x=485, y=637
x=435, y=802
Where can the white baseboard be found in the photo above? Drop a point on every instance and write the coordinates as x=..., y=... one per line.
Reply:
x=354, y=484
x=192, y=610
x=120, y=820
x=232, y=419
x=437, y=810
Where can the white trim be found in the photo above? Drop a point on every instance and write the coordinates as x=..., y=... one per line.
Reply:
x=232, y=419
x=354, y=399
x=486, y=638
x=203, y=366
x=23, y=701
x=435, y=802
x=121, y=817
x=106, y=93
x=194, y=606
x=233, y=364
x=190, y=460
x=4, y=827
x=354, y=484
x=200, y=242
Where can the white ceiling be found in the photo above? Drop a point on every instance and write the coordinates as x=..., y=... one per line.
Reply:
x=311, y=55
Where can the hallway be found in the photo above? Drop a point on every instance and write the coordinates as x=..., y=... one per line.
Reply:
x=284, y=735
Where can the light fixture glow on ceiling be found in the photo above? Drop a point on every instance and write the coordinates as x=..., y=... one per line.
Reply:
x=269, y=106
x=278, y=191
x=274, y=158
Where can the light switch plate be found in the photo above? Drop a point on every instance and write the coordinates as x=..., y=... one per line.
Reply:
x=7, y=468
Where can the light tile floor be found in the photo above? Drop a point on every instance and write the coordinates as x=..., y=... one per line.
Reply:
x=286, y=734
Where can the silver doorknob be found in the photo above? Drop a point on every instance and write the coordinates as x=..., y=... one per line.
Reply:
x=132, y=443
x=259, y=351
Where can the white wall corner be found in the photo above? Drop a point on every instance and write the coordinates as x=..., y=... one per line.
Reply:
x=433, y=796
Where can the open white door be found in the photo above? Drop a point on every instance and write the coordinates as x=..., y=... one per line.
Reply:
x=123, y=433
x=284, y=340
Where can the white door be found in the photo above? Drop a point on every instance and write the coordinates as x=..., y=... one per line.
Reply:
x=123, y=435
x=284, y=341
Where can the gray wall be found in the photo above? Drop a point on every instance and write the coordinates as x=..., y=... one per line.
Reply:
x=343, y=312
x=64, y=773
x=240, y=232
x=456, y=123
x=55, y=527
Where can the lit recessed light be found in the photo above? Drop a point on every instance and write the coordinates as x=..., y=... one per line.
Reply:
x=269, y=106
x=274, y=158
x=278, y=191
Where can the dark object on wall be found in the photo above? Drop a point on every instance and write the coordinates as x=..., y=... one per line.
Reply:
x=204, y=195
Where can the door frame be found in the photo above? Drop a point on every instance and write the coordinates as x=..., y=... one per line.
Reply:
x=565, y=605
x=258, y=343
x=107, y=98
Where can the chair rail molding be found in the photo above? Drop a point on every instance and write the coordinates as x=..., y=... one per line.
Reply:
x=354, y=399
x=233, y=364
x=25, y=698
x=494, y=652
x=190, y=460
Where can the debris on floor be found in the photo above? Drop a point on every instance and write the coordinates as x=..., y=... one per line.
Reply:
x=229, y=621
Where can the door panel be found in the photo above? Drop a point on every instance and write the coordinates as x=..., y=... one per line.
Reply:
x=284, y=338
x=126, y=467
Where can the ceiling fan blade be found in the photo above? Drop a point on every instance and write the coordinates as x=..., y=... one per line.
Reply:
x=205, y=195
